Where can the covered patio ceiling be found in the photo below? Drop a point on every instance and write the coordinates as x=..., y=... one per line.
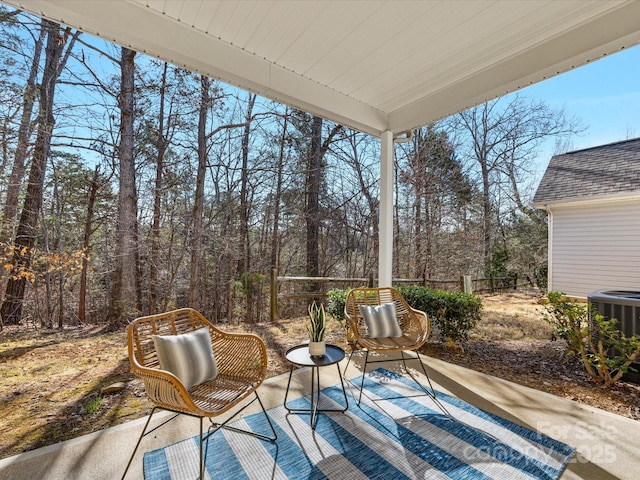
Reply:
x=373, y=65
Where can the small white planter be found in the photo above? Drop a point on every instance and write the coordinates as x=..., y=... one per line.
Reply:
x=317, y=349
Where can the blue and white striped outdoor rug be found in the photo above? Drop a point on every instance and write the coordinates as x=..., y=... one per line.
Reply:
x=412, y=438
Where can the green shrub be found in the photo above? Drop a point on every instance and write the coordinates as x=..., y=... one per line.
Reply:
x=605, y=351
x=335, y=303
x=541, y=273
x=454, y=313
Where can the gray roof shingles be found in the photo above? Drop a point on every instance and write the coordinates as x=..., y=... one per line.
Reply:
x=604, y=171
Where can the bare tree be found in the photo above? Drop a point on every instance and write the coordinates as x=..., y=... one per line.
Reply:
x=161, y=147
x=24, y=133
x=435, y=186
x=277, y=197
x=245, y=257
x=11, y=310
x=97, y=181
x=198, y=202
x=124, y=292
x=207, y=101
x=358, y=184
x=313, y=217
x=499, y=139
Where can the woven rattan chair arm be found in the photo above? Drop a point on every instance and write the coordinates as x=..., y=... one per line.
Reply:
x=165, y=390
x=352, y=322
x=243, y=356
x=425, y=324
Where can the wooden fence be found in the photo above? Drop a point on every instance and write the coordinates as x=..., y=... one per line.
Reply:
x=314, y=286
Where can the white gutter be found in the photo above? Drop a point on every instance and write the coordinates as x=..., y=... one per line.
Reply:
x=408, y=136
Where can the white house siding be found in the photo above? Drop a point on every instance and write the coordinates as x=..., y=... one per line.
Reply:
x=595, y=246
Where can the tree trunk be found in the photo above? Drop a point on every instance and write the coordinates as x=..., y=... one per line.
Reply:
x=157, y=197
x=244, y=264
x=245, y=258
x=11, y=310
x=46, y=321
x=314, y=179
x=57, y=246
x=314, y=182
x=24, y=132
x=86, y=245
x=486, y=213
x=198, y=203
x=419, y=267
x=372, y=204
x=123, y=296
x=275, y=240
x=429, y=240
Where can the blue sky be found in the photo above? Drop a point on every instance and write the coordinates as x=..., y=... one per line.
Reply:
x=604, y=94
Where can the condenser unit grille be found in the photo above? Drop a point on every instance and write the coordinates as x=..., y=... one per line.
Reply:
x=628, y=316
x=624, y=306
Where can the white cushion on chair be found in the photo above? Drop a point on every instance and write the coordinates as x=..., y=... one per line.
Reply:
x=381, y=320
x=188, y=356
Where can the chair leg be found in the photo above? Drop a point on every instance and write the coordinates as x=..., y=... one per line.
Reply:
x=344, y=373
x=214, y=427
x=201, y=454
x=204, y=438
x=135, y=449
x=364, y=372
x=432, y=393
x=273, y=430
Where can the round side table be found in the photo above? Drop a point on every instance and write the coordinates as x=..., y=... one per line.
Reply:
x=299, y=355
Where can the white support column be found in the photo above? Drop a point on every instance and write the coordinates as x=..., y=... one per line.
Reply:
x=385, y=225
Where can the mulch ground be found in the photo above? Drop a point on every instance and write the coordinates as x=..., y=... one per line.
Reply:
x=543, y=365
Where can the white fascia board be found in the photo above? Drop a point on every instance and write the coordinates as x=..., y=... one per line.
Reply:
x=614, y=30
x=577, y=201
x=139, y=28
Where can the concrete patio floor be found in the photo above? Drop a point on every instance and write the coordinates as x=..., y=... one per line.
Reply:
x=608, y=445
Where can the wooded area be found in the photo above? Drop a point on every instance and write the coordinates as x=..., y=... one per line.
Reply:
x=131, y=186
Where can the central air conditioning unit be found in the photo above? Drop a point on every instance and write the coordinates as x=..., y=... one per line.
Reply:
x=624, y=306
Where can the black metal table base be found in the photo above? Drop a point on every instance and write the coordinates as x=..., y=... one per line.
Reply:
x=314, y=410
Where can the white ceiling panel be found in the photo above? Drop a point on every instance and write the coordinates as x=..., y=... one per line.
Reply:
x=170, y=9
x=202, y=19
x=189, y=12
x=373, y=65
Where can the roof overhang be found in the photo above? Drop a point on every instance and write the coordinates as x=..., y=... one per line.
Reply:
x=371, y=65
x=587, y=202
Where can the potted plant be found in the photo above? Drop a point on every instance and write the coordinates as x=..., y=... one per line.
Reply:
x=316, y=327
